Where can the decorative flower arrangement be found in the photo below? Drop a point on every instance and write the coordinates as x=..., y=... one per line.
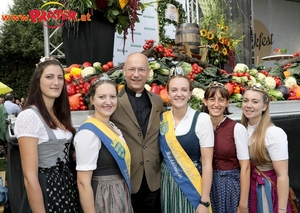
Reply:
x=278, y=51
x=222, y=35
x=124, y=13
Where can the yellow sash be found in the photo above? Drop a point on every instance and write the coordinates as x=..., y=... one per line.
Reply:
x=115, y=145
x=179, y=163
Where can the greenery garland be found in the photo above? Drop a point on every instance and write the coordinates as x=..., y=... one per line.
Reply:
x=162, y=21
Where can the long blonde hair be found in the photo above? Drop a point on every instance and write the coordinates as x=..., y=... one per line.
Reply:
x=257, y=140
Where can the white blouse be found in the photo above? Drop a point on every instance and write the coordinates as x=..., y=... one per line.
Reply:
x=87, y=145
x=29, y=124
x=241, y=142
x=203, y=129
x=276, y=142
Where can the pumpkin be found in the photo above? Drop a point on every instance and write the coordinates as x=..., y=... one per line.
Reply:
x=296, y=89
x=229, y=88
x=164, y=96
x=74, y=100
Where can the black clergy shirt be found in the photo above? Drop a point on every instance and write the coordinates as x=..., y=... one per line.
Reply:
x=141, y=106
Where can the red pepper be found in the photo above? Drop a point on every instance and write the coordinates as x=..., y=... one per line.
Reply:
x=155, y=89
x=278, y=81
x=71, y=89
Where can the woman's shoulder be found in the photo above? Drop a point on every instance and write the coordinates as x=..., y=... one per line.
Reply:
x=27, y=114
x=275, y=130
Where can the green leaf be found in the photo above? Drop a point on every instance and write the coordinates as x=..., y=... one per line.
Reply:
x=115, y=12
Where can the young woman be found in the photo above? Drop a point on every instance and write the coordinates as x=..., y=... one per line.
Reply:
x=102, y=156
x=231, y=167
x=186, y=136
x=44, y=131
x=268, y=147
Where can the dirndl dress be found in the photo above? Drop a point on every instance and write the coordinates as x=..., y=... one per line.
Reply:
x=111, y=194
x=56, y=179
x=172, y=198
x=225, y=191
x=263, y=194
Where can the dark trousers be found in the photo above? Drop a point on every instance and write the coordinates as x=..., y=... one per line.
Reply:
x=146, y=201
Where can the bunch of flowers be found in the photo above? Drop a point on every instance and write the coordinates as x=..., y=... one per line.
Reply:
x=222, y=35
x=280, y=51
x=123, y=13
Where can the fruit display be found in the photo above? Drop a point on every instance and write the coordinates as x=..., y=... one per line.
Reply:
x=78, y=79
x=281, y=81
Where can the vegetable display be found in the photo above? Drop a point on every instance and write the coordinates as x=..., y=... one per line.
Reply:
x=281, y=81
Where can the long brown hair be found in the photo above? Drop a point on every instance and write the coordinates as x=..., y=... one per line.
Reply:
x=257, y=140
x=61, y=104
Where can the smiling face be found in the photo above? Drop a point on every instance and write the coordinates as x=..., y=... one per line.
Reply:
x=52, y=82
x=216, y=104
x=179, y=92
x=136, y=71
x=105, y=100
x=253, y=106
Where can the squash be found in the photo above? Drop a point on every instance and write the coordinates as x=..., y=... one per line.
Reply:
x=229, y=88
x=296, y=89
x=286, y=74
x=164, y=96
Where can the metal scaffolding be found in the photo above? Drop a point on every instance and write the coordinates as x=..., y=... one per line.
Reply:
x=192, y=11
x=51, y=49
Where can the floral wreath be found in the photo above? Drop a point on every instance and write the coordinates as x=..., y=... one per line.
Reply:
x=161, y=9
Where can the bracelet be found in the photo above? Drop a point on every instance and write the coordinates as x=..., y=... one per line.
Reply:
x=282, y=209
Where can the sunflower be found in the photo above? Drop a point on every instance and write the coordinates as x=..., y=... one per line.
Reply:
x=225, y=28
x=227, y=42
x=210, y=35
x=203, y=32
x=216, y=47
x=123, y=3
x=222, y=40
x=224, y=51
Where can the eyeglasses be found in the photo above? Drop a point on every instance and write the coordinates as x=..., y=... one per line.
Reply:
x=140, y=70
x=216, y=84
x=258, y=87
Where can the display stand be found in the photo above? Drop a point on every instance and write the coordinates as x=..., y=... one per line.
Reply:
x=277, y=57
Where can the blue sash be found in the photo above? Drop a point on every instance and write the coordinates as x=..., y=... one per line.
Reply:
x=117, y=147
x=178, y=162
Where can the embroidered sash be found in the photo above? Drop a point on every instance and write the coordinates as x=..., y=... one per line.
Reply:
x=179, y=163
x=115, y=145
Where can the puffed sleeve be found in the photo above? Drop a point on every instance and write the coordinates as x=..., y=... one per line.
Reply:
x=277, y=144
x=87, y=146
x=241, y=142
x=204, y=130
x=28, y=124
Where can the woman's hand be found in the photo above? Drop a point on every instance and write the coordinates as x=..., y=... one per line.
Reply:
x=241, y=209
x=202, y=209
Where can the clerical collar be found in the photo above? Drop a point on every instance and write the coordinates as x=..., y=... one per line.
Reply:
x=133, y=93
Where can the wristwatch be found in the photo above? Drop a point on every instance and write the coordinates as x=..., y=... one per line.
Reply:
x=206, y=204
